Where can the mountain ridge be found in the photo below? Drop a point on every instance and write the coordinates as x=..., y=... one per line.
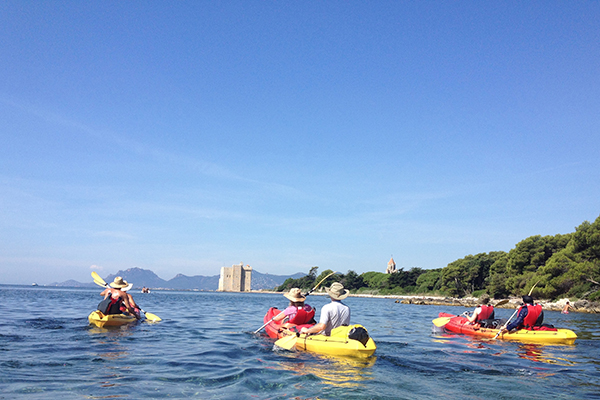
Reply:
x=144, y=277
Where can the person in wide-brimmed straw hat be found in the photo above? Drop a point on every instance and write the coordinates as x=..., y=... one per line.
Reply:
x=119, y=283
x=297, y=313
x=116, y=299
x=333, y=314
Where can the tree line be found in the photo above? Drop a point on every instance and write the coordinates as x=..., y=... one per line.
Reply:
x=558, y=266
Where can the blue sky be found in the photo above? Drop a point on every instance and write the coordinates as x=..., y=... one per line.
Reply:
x=186, y=136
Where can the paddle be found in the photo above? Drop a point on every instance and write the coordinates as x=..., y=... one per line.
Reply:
x=308, y=293
x=100, y=282
x=318, y=284
x=268, y=322
x=506, y=324
x=287, y=342
x=502, y=302
x=441, y=321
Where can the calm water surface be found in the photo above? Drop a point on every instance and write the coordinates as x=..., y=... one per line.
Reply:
x=204, y=348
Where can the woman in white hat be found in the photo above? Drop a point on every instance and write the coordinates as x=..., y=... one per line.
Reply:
x=115, y=298
x=298, y=313
x=333, y=314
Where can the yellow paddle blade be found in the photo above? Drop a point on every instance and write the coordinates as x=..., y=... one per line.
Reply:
x=439, y=322
x=501, y=302
x=99, y=283
x=152, y=317
x=287, y=342
x=98, y=279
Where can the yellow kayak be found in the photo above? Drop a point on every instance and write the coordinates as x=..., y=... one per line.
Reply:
x=101, y=320
x=338, y=344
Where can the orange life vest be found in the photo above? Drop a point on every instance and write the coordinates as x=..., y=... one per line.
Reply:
x=533, y=314
x=487, y=312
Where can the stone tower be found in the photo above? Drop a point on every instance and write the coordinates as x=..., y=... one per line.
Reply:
x=236, y=278
x=391, y=267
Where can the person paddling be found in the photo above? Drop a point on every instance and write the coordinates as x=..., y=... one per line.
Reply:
x=529, y=315
x=482, y=312
x=333, y=314
x=131, y=301
x=115, y=298
x=298, y=313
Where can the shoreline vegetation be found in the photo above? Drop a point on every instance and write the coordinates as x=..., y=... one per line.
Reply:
x=553, y=269
x=583, y=306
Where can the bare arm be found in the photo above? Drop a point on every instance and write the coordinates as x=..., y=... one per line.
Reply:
x=473, y=316
x=313, y=329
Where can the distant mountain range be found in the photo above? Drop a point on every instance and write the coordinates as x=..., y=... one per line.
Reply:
x=144, y=277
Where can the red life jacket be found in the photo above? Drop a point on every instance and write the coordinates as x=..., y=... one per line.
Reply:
x=533, y=313
x=302, y=317
x=486, y=313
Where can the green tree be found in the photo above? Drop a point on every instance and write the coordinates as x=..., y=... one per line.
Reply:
x=429, y=281
x=375, y=280
x=352, y=281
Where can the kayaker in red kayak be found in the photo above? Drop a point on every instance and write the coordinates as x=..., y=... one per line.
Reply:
x=482, y=312
x=529, y=315
x=298, y=313
x=333, y=314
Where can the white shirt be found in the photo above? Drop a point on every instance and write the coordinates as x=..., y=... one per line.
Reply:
x=333, y=315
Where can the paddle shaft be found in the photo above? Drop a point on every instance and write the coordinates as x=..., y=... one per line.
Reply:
x=268, y=322
x=506, y=324
x=317, y=285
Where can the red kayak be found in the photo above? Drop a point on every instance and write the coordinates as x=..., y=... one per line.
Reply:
x=275, y=329
x=459, y=324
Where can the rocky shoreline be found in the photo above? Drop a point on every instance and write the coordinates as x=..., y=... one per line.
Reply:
x=583, y=306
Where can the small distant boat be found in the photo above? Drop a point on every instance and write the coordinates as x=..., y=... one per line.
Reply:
x=34, y=284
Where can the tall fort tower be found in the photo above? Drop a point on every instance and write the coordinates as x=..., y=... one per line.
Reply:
x=236, y=278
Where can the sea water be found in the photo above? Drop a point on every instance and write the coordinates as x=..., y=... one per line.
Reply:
x=205, y=348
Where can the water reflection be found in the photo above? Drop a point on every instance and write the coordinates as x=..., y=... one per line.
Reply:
x=541, y=353
x=111, y=357
x=334, y=371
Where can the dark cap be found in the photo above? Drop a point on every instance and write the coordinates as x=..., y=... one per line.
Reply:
x=527, y=299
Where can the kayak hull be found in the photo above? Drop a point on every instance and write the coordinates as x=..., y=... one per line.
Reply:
x=459, y=324
x=337, y=344
x=102, y=321
x=276, y=329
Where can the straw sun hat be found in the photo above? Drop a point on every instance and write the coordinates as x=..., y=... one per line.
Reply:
x=119, y=283
x=337, y=291
x=295, y=295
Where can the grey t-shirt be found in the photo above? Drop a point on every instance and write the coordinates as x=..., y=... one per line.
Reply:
x=333, y=315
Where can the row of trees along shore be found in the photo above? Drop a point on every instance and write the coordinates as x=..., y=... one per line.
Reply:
x=561, y=265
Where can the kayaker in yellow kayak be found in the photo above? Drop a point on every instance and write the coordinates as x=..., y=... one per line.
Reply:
x=529, y=315
x=334, y=314
x=115, y=298
x=298, y=313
